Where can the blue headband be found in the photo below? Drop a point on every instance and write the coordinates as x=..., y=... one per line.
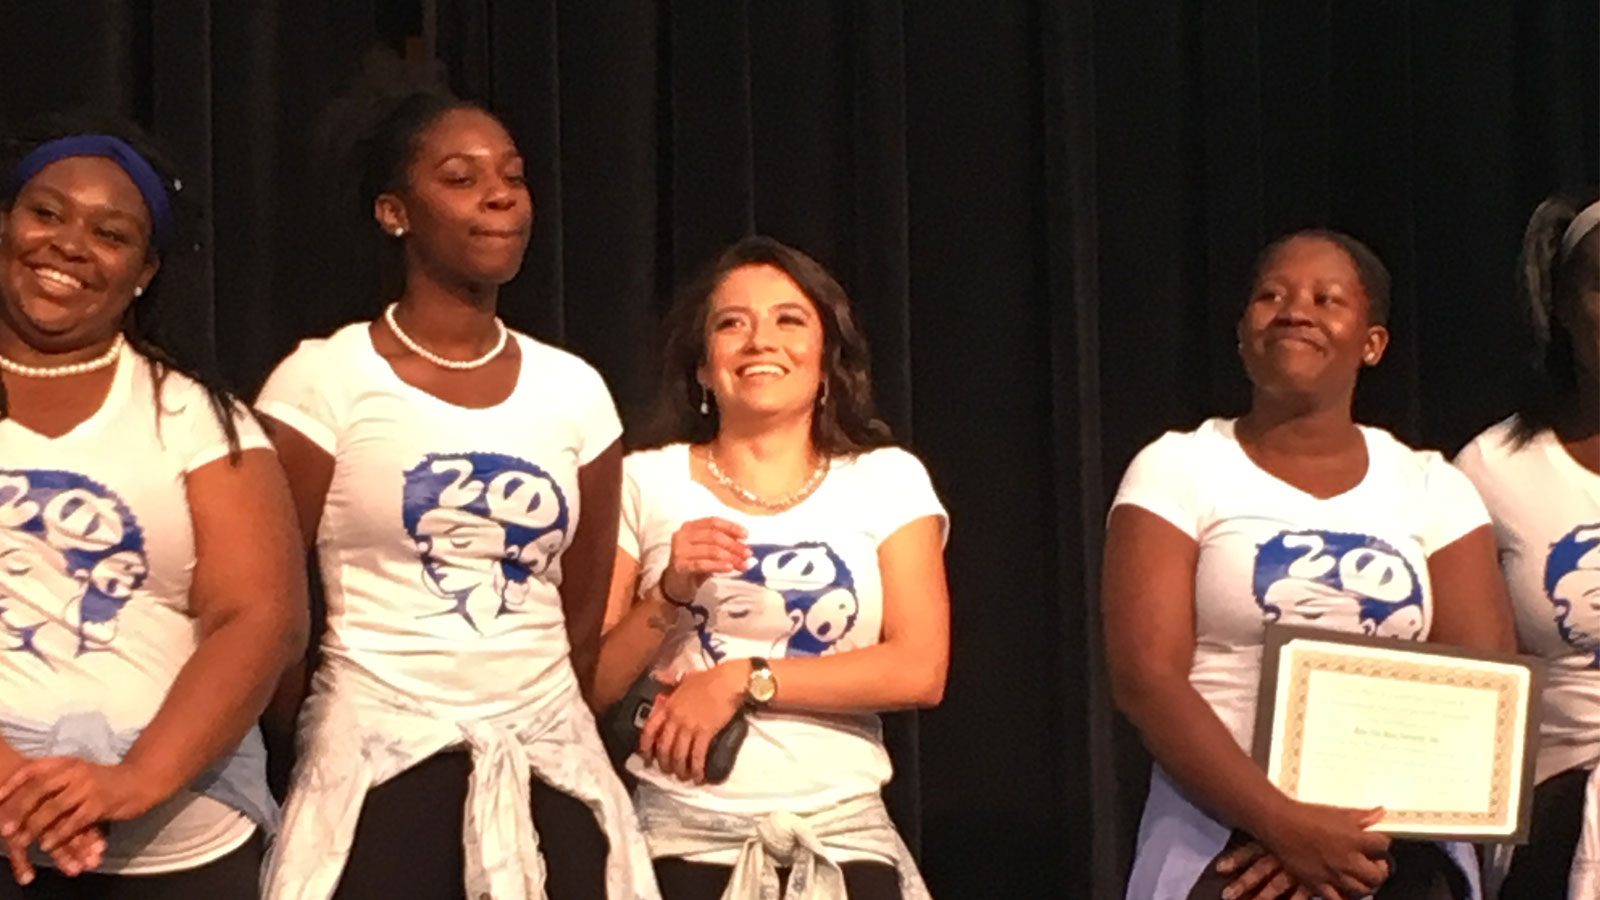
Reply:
x=150, y=184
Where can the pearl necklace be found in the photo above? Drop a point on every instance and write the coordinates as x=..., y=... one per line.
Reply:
x=78, y=368
x=751, y=497
x=436, y=359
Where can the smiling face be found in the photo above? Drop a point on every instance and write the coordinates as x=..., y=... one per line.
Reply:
x=764, y=345
x=74, y=247
x=465, y=211
x=1308, y=328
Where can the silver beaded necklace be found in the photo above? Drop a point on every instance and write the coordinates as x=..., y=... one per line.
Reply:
x=752, y=498
x=89, y=365
x=436, y=359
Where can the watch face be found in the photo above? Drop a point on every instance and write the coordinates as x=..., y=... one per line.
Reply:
x=763, y=685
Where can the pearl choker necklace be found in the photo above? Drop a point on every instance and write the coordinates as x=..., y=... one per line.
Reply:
x=750, y=496
x=436, y=359
x=89, y=365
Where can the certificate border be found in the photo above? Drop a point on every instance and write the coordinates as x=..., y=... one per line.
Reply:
x=1276, y=637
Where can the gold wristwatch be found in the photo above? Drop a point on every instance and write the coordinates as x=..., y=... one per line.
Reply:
x=761, y=685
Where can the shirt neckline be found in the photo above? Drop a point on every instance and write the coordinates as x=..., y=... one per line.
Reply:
x=1225, y=428
x=121, y=381
x=370, y=351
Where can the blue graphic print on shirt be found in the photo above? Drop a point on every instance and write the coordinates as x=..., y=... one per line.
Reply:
x=1572, y=582
x=71, y=555
x=797, y=600
x=485, y=525
x=1338, y=581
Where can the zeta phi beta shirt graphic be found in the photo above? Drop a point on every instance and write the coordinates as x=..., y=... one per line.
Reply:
x=1338, y=581
x=1572, y=584
x=485, y=525
x=795, y=600
x=71, y=556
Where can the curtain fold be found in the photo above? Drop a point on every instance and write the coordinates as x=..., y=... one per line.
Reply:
x=1044, y=210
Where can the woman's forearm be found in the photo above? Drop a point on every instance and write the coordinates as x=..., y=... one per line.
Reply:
x=1187, y=739
x=884, y=676
x=216, y=698
x=626, y=649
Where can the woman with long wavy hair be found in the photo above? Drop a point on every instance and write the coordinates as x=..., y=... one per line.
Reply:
x=782, y=561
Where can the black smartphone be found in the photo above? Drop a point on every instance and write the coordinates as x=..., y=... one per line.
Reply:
x=623, y=722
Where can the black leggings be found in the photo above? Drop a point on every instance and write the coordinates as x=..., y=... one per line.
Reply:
x=408, y=839
x=1419, y=871
x=233, y=877
x=1540, y=868
x=683, y=880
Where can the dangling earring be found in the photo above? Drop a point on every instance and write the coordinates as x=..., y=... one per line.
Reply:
x=705, y=402
x=822, y=395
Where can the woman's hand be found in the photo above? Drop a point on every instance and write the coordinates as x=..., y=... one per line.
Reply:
x=702, y=548
x=683, y=722
x=1262, y=875
x=55, y=800
x=1322, y=851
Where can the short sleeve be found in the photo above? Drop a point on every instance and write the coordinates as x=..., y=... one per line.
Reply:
x=905, y=493
x=598, y=424
x=1161, y=480
x=1454, y=508
x=632, y=507
x=296, y=394
x=191, y=426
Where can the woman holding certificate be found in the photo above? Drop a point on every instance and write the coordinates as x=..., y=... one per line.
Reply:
x=1292, y=513
x=1539, y=474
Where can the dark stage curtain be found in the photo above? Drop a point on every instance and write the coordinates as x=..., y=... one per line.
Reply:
x=1044, y=210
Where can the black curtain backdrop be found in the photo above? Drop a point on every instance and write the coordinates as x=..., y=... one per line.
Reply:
x=1044, y=211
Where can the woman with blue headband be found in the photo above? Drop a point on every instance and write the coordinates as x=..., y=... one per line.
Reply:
x=1539, y=474
x=150, y=593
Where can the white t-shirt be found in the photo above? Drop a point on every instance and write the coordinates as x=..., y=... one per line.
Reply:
x=1546, y=511
x=96, y=561
x=1269, y=551
x=441, y=537
x=815, y=590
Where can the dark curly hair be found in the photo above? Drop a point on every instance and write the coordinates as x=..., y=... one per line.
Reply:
x=1374, y=275
x=1551, y=286
x=145, y=327
x=846, y=424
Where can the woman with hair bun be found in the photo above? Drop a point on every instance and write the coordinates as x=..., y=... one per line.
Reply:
x=1539, y=473
x=459, y=482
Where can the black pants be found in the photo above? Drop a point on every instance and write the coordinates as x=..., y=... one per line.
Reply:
x=1419, y=871
x=233, y=877
x=408, y=840
x=682, y=880
x=1540, y=868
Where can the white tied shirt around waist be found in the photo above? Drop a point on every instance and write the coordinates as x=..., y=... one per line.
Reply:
x=356, y=733
x=765, y=842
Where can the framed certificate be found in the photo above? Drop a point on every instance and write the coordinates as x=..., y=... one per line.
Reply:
x=1443, y=739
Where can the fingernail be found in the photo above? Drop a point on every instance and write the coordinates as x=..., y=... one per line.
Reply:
x=749, y=563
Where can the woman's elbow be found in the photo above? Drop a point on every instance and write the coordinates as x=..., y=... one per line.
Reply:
x=294, y=631
x=928, y=691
